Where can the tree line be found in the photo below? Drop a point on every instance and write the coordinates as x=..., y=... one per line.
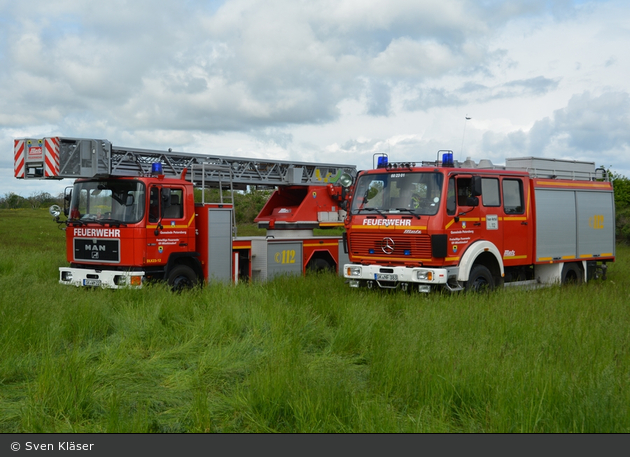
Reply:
x=247, y=205
x=37, y=200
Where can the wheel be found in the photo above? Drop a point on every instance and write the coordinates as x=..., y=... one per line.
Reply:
x=571, y=274
x=480, y=279
x=318, y=265
x=182, y=277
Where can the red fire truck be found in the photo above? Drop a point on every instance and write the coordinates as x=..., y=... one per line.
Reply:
x=132, y=214
x=456, y=226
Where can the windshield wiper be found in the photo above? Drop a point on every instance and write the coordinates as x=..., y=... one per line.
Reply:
x=111, y=222
x=410, y=211
x=76, y=222
x=374, y=209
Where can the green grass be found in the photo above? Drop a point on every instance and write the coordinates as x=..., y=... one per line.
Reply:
x=303, y=354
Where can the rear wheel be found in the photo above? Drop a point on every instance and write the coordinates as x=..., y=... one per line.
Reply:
x=480, y=279
x=319, y=265
x=571, y=274
x=182, y=277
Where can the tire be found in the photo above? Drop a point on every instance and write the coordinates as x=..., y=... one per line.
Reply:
x=182, y=277
x=571, y=274
x=480, y=279
x=319, y=265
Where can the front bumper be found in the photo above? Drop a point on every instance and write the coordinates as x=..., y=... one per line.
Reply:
x=110, y=279
x=423, y=278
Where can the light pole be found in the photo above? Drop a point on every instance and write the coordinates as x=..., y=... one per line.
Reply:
x=463, y=135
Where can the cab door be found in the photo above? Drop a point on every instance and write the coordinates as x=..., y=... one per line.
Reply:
x=465, y=226
x=167, y=227
x=491, y=211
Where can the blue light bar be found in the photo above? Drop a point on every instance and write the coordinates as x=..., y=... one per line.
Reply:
x=156, y=168
x=382, y=162
x=447, y=159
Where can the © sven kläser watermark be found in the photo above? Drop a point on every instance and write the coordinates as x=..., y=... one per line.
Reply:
x=59, y=446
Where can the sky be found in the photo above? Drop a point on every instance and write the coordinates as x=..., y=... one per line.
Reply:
x=333, y=81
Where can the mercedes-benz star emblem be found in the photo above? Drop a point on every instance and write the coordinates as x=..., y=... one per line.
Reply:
x=387, y=245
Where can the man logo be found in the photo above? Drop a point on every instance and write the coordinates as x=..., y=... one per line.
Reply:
x=388, y=245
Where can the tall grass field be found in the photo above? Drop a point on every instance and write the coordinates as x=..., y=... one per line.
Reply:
x=303, y=354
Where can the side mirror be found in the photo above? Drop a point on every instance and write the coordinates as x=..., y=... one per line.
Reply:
x=67, y=198
x=476, y=187
x=472, y=201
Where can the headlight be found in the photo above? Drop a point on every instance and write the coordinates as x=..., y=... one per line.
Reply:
x=425, y=275
x=66, y=276
x=353, y=271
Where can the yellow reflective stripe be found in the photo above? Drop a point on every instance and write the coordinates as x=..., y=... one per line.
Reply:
x=384, y=227
x=311, y=245
x=565, y=184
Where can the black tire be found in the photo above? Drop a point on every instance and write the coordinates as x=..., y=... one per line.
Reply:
x=480, y=279
x=571, y=274
x=182, y=277
x=318, y=265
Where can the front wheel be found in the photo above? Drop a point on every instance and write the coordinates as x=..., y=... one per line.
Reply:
x=480, y=279
x=182, y=277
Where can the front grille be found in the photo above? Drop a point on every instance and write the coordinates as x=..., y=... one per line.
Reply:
x=416, y=246
x=96, y=250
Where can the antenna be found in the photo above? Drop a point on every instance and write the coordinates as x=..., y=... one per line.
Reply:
x=463, y=135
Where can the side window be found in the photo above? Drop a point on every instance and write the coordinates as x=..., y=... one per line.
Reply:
x=490, y=192
x=513, y=196
x=172, y=203
x=464, y=190
x=451, y=203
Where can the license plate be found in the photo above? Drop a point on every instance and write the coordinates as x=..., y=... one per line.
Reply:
x=385, y=277
x=91, y=282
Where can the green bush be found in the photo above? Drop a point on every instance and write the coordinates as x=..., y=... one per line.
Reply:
x=621, y=185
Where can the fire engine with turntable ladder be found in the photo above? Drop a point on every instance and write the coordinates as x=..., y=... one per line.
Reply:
x=132, y=216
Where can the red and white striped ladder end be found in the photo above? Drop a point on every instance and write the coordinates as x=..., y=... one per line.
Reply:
x=51, y=146
x=18, y=156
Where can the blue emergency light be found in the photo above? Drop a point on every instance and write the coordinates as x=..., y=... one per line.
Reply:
x=382, y=162
x=156, y=168
x=447, y=159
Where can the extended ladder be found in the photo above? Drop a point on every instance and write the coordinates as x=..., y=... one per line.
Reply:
x=62, y=157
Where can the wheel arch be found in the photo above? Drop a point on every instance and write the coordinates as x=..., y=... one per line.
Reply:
x=184, y=258
x=323, y=254
x=481, y=252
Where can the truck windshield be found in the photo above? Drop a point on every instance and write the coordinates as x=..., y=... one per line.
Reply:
x=108, y=201
x=417, y=193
